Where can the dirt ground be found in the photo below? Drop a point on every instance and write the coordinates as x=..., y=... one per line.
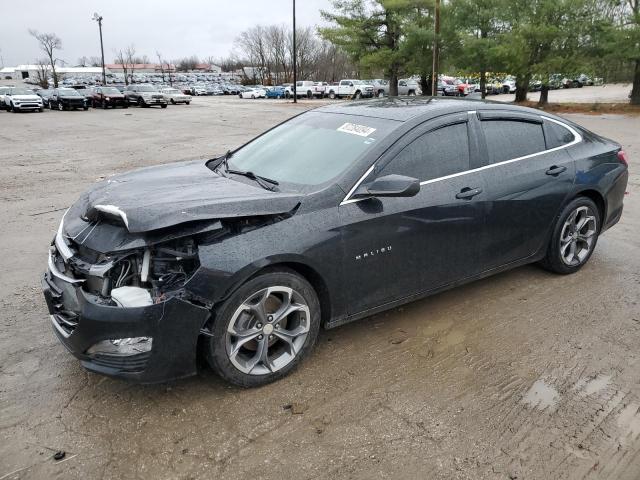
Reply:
x=522, y=375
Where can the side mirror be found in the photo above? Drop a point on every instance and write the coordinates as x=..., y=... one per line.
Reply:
x=389, y=186
x=351, y=84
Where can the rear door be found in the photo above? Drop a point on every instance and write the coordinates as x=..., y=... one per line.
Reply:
x=528, y=175
x=397, y=247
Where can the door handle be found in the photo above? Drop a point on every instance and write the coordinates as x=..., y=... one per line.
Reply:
x=468, y=193
x=555, y=170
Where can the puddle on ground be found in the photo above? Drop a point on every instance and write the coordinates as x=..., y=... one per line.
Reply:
x=541, y=396
x=629, y=422
x=595, y=385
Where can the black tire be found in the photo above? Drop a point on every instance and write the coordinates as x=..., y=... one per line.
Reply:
x=13, y=108
x=104, y=105
x=126, y=105
x=41, y=109
x=216, y=346
x=141, y=102
x=309, y=94
x=332, y=95
x=173, y=102
x=85, y=108
x=553, y=260
x=358, y=95
x=187, y=103
x=164, y=105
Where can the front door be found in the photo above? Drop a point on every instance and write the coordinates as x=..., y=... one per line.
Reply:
x=397, y=247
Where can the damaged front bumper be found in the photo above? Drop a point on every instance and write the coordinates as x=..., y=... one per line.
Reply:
x=145, y=344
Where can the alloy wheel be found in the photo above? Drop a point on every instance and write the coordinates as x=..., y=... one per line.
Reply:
x=268, y=330
x=577, y=236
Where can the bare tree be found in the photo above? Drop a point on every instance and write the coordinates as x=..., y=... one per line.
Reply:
x=127, y=59
x=83, y=62
x=187, y=63
x=49, y=43
x=42, y=73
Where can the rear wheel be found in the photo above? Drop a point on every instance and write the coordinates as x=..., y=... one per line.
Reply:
x=574, y=237
x=264, y=329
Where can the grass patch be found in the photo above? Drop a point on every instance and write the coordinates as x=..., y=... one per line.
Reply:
x=587, y=108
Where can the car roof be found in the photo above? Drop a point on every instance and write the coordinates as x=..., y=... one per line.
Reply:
x=407, y=108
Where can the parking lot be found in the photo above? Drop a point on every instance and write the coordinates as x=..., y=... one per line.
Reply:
x=522, y=375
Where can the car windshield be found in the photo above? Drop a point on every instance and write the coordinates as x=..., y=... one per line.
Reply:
x=312, y=148
x=111, y=91
x=146, y=88
x=69, y=92
x=21, y=91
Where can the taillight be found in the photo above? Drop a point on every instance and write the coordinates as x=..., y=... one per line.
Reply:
x=623, y=157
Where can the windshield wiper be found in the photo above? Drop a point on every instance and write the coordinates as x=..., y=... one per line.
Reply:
x=264, y=182
x=224, y=162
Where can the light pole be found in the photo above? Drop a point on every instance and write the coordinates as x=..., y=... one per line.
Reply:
x=295, y=57
x=98, y=19
x=436, y=40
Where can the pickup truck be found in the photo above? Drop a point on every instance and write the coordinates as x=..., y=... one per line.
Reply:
x=306, y=88
x=408, y=87
x=350, y=88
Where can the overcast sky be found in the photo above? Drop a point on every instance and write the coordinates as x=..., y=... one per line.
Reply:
x=175, y=28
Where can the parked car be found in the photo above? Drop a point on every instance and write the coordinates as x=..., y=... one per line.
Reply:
x=245, y=256
x=350, y=88
x=494, y=87
x=380, y=86
x=3, y=91
x=509, y=85
x=176, y=96
x=253, y=93
x=275, y=92
x=82, y=89
x=144, y=96
x=17, y=99
x=568, y=82
x=106, y=97
x=408, y=87
x=67, y=99
x=44, y=94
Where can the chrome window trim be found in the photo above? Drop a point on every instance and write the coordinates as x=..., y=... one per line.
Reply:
x=577, y=138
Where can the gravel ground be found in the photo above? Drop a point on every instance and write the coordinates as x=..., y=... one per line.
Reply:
x=522, y=375
x=610, y=93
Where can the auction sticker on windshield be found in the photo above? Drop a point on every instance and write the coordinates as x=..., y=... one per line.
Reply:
x=361, y=130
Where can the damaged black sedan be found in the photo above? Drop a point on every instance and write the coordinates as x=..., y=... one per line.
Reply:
x=334, y=215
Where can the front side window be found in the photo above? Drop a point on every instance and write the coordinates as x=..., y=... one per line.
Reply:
x=312, y=148
x=435, y=154
x=509, y=139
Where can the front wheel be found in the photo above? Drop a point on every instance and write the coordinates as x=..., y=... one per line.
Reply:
x=358, y=95
x=164, y=105
x=332, y=95
x=574, y=237
x=60, y=106
x=264, y=329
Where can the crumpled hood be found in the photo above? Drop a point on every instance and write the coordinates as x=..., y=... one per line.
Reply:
x=158, y=197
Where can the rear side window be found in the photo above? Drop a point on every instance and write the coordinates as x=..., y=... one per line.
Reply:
x=435, y=154
x=557, y=135
x=508, y=139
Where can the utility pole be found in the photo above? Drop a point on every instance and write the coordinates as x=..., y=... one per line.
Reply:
x=98, y=19
x=295, y=57
x=436, y=41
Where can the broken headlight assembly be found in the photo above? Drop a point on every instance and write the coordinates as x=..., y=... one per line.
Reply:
x=145, y=276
